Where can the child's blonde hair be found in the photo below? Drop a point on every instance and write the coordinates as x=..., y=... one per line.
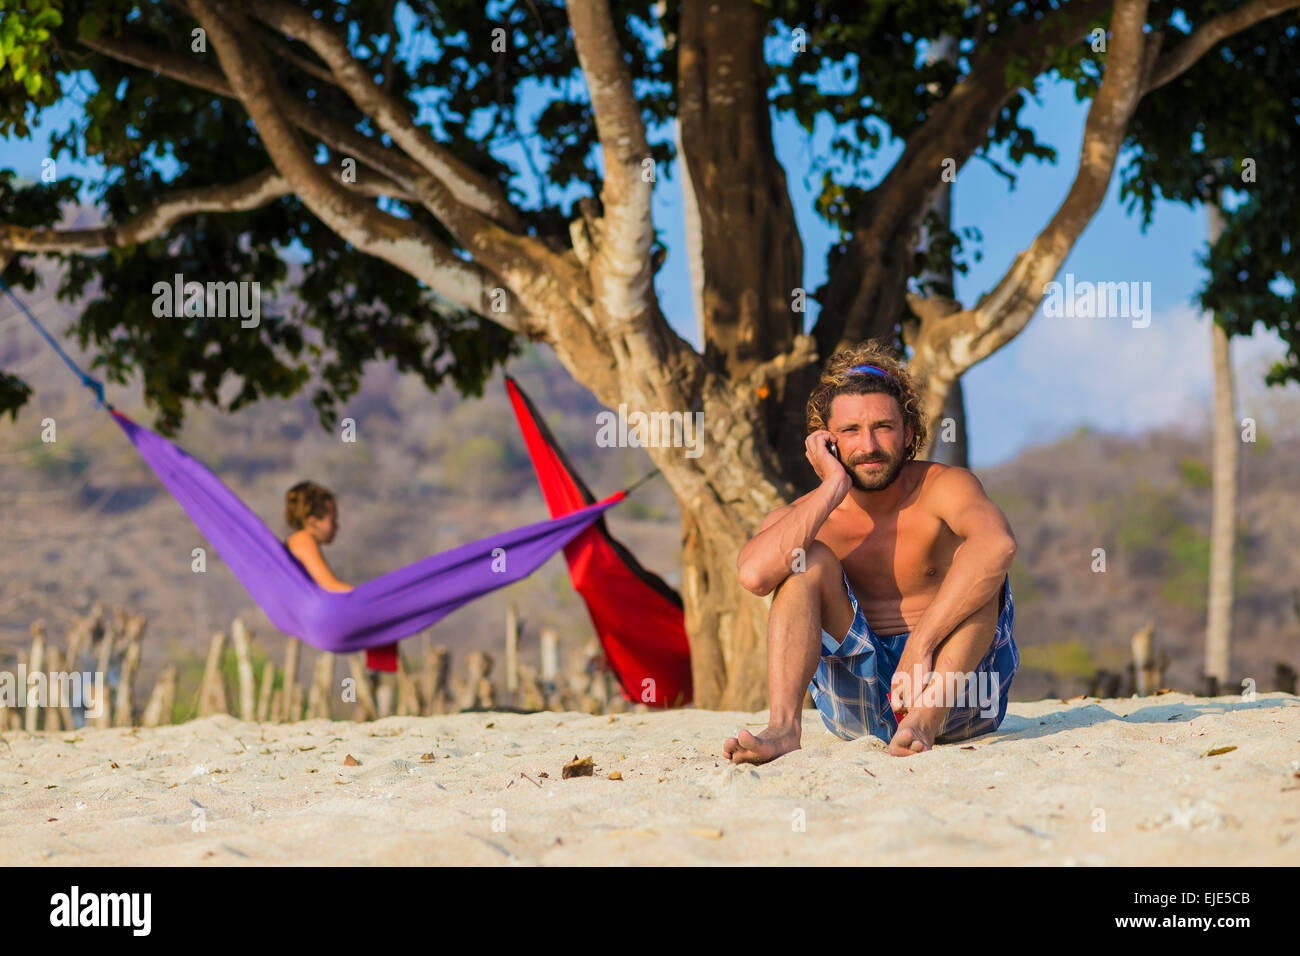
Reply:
x=306, y=500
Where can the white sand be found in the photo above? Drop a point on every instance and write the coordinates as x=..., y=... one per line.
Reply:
x=220, y=791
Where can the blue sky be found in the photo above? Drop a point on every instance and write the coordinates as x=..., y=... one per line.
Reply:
x=1060, y=373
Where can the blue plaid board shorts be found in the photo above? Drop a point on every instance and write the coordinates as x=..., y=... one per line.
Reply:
x=851, y=684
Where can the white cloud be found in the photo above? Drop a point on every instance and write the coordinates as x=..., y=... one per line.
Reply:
x=1064, y=372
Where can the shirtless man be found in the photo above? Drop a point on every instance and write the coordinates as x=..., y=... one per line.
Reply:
x=892, y=603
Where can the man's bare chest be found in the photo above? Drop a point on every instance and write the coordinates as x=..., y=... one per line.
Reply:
x=902, y=555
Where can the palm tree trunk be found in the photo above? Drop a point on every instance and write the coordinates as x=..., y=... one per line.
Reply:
x=1218, y=634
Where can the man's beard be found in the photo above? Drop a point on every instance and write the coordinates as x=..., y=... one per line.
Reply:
x=879, y=478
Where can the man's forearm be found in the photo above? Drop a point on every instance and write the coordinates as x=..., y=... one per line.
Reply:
x=975, y=577
x=767, y=559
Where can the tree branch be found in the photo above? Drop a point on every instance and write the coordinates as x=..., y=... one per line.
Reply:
x=954, y=341
x=859, y=289
x=466, y=185
x=398, y=241
x=1176, y=62
x=621, y=272
x=332, y=131
x=250, y=193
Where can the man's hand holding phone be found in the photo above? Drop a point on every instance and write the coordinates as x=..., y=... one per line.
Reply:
x=824, y=456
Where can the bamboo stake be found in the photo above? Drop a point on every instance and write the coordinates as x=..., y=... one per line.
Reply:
x=212, y=692
x=103, y=702
x=477, y=667
x=1142, y=660
x=530, y=696
x=436, y=666
x=550, y=668
x=319, y=699
x=247, y=703
x=123, y=709
x=512, y=654
x=365, y=709
x=264, y=693
x=159, y=709
x=408, y=695
x=385, y=694
x=36, y=666
x=286, y=713
x=55, y=703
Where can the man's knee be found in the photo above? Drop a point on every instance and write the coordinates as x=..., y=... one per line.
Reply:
x=812, y=567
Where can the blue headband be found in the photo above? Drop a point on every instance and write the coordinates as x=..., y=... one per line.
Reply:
x=870, y=370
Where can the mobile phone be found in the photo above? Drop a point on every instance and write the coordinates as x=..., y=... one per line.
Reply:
x=835, y=450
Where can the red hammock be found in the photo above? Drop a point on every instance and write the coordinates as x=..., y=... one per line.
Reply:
x=637, y=616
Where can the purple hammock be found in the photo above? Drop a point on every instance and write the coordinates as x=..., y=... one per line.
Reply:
x=380, y=611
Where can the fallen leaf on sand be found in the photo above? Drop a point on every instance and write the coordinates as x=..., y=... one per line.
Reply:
x=616, y=775
x=351, y=761
x=115, y=767
x=426, y=756
x=1215, y=751
x=577, y=768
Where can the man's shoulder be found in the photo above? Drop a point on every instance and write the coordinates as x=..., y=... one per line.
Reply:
x=939, y=484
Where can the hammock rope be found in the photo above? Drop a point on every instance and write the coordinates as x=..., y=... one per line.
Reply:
x=94, y=384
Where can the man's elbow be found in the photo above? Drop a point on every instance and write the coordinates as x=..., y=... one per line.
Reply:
x=752, y=580
x=1008, y=550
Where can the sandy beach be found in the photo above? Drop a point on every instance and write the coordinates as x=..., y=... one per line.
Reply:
x=1086, y=782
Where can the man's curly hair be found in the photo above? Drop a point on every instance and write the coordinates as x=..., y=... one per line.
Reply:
x=836, y=379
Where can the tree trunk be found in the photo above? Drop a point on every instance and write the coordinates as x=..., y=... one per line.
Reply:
x=1223, y=521
x=957, y=451
x=727, y=624
x=948, y=451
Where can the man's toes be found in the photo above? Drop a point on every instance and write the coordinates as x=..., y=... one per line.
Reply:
x=905, y=743
x=748, y=741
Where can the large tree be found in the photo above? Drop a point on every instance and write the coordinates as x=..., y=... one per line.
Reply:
x=384, y=139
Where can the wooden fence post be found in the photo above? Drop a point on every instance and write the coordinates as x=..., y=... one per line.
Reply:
x=477, y=686
x=123, y=710
x=512, y=655
x=320, y=698
x=159, y=709
x=550, y=668
x=239, y=637
x=104, y=704
x=1142, y=660
x=35, y=666
x=212, y=692
x=264, y=692
x=288, y=712
x=408, y=695
x=436, y=665
x=54, y=697
x=365, y=709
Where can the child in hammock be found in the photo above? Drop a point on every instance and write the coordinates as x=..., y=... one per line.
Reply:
x=311, y=511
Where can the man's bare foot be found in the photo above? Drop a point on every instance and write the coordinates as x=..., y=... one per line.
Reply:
x=912, y=736
x=771, y=743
